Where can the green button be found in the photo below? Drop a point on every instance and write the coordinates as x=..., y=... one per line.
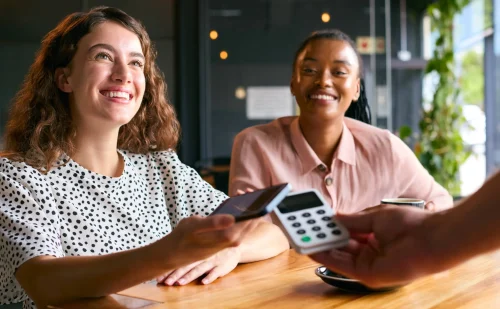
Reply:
x=306, y=239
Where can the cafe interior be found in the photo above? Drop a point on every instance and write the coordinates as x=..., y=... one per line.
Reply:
x=227, y=65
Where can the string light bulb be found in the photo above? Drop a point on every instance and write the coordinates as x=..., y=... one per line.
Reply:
x=325, y=17
x=240, y=93
x=214, y=35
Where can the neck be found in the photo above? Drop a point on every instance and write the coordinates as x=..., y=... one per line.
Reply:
x=97, y=151
x=322, y=136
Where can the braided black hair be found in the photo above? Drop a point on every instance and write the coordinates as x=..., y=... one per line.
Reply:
x=359, y=110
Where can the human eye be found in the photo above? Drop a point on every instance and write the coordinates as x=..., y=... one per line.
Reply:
x=307, y=70
x=102, y=56
x=137, y=63
x=340, y=71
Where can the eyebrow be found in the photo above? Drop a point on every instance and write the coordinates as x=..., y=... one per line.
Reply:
x=111, y=49
x=335, y=61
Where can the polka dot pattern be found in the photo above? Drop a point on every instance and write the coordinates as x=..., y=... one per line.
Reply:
x=72, y=211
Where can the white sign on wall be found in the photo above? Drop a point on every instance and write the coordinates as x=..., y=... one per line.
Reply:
x=271, y=102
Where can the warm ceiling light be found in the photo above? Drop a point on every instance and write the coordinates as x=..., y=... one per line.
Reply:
x=325, y=17
x=240, y=93
x=213, y=34
x=223, y=55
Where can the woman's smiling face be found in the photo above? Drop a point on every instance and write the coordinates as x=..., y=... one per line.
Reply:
x=105, y=79
x=326, y=79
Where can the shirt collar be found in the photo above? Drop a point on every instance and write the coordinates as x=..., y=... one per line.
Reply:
x=346, y=151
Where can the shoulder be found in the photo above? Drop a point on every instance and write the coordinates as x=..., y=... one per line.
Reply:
x=21, y=182
x=376, y=142
x=271, y=132
x=165, y=158
x=165, y=161
x=20, y=172
x=362, y=130
x=370, y=137
x=152, y=158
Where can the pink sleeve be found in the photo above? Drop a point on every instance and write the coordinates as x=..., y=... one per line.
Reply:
x=249, y=168
x=413, y=179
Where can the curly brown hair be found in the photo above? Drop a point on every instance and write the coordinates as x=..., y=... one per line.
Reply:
x=39, y=129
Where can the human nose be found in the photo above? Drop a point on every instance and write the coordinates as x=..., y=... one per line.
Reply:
x=324, y=80
x=121, y=73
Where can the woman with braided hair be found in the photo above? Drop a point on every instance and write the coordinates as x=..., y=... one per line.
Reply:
x=331, y=145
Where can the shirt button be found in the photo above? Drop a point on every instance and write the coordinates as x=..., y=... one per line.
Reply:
x=322, y=167
x=328, y=181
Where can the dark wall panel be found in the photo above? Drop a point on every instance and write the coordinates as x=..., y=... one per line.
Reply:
x=24, y=23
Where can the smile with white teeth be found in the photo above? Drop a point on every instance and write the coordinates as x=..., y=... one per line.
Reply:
x=117, y=94
x=322, y=97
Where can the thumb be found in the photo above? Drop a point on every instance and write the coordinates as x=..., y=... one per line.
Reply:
x=362, y=222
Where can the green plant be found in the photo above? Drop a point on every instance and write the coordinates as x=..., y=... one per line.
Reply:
x=472, y=79
x=439, y=146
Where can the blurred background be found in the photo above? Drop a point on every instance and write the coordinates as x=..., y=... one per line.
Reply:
x=228, y=65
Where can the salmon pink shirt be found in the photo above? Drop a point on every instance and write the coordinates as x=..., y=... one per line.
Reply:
x=370, y=164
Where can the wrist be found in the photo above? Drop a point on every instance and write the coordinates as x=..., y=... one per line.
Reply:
x=158, y=256
x=238, y=251
x=441, y=239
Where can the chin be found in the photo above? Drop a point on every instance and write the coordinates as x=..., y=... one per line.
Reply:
x=118, y=122
x=327, y=113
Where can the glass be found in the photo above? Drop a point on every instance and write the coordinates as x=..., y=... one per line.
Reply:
x=253, y=52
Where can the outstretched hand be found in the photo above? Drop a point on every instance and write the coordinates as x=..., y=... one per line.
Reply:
x=388, y=246
x=216, y=266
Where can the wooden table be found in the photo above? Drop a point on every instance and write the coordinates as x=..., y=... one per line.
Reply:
x=288, y=281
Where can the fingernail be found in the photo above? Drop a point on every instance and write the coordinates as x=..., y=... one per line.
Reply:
x=169, y=282
x=204, y=281
x=182, y=281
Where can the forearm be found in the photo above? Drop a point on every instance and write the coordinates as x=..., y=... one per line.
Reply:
x=264, y=242
x=437, y=198
x=50, y=281
x=440, y=202
x=471, y=227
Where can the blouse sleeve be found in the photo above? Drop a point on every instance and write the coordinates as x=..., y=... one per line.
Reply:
x=414, y=180
x=29, y=224
x=249, y=169
x=186, y=193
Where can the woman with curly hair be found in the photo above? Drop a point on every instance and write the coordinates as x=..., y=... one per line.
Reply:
x=90, y=181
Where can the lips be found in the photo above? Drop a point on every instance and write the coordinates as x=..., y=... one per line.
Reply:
x=323, y=96
x=117, y=94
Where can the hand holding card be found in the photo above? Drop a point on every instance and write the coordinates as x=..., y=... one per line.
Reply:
x=253, y=204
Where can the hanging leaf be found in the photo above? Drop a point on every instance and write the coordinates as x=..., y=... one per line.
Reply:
x=405, y=132
x=440, y=147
